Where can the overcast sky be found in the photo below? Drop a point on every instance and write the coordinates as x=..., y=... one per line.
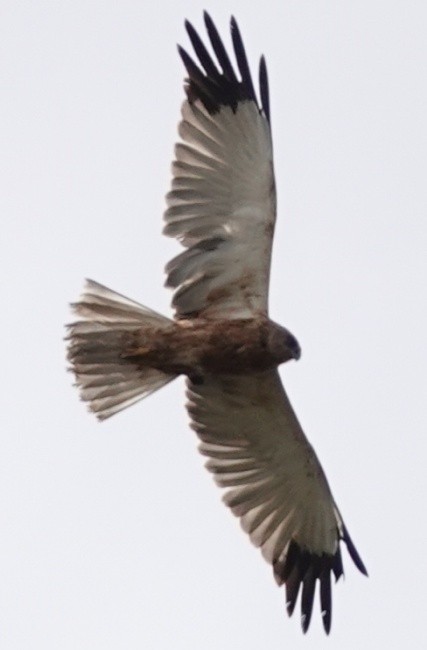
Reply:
x=114, y=536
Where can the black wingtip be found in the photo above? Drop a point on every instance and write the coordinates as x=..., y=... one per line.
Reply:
x=308, y=594
x=352, y=551
x=198, y=85
x=302, y=569
x=207, y=18
x=326, y=600
x=242, y=61
x=201, y=51
x=215, y=83
x=233, y=26
x=182, y=53
x=264, y=89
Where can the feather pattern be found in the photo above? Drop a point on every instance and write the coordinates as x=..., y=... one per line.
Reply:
x=107, y=380
x=222, y=205
x=276, y=485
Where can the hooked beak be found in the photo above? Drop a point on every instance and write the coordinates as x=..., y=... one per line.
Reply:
x=296, y=352
x=294, y=347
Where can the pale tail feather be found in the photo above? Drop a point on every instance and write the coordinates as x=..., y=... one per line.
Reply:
x=107, y=380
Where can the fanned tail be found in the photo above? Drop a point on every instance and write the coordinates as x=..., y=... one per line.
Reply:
x=107, y=379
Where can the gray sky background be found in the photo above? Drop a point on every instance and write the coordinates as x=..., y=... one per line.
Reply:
x=113, y=535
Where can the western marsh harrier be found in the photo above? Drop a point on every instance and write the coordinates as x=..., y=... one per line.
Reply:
x=222, y=208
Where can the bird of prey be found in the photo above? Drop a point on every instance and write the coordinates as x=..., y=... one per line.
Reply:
x=222, y=209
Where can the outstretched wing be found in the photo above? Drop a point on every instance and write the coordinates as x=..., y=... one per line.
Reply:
x=256, y=447
x=222, y=203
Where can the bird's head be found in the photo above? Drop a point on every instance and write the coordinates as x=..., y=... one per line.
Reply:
x=283, y=344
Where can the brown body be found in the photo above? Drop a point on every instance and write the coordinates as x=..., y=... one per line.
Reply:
x=197, y=347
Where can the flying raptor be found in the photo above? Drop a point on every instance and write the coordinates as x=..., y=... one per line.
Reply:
x=222, y=209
